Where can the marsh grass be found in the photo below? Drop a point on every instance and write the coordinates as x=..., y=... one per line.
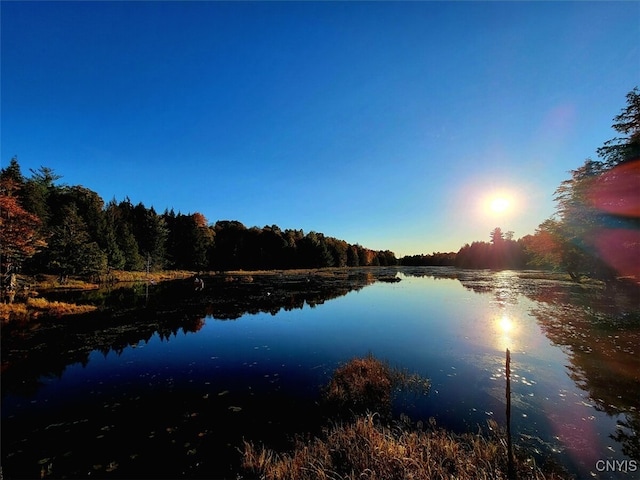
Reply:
x=36, y=307
x=160, y=276
x=367, y=384
x=366, y=449
x=361, y=384
x=372, y=446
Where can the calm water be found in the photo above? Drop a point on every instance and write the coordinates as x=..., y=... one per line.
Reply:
x=172, y=387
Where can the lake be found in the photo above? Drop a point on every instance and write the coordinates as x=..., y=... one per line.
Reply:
x=167, y=381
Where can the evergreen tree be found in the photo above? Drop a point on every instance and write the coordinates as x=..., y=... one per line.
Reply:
x=352, y=256
x=71, y=251
x=115, y=258
x=13, y=172
x=597, y=221
x=627, y=147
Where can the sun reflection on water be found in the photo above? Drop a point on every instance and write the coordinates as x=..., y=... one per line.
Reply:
x=507, y=330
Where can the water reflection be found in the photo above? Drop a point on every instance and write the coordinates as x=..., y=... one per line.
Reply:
x=139, y=352
x=598, y=329
x=600, y=332
x=131, y=315
x=507, y=329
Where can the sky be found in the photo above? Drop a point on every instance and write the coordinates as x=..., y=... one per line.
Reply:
x=388, y=124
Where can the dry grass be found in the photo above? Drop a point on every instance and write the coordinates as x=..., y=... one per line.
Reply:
x=43, y=281
x=361, y=384
x=365, y=450
x=27, y=307
x=35, y=307
x=316, y=272
x=13, y=312
x=366, y=384
x=124, y=276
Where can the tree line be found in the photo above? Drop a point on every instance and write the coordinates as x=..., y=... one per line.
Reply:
x=49, y=227
x=501, y=252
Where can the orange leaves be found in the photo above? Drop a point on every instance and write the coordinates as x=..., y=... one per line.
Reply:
x=19, y=236
x=200, y=220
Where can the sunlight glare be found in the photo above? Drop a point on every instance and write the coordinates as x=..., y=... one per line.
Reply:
x=500, y=204
x=506, y=330
x=506, y=325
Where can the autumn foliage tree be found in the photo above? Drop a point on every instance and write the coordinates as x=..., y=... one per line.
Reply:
x=19, y=235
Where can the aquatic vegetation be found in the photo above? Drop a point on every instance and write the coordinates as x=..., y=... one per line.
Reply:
x=361, y=384
x=367, y=384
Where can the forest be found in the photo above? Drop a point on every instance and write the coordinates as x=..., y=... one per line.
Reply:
x=69, y=230
x=50, y=227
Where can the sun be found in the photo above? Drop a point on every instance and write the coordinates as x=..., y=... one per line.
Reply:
x=500, y=205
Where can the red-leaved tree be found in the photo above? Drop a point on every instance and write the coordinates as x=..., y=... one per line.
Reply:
x=19, y=236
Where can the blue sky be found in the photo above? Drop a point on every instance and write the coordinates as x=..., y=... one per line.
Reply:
x=388, y=124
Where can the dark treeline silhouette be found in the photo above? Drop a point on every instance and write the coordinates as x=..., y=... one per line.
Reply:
x=69, y=230
x=502, y=252
x=436, y=259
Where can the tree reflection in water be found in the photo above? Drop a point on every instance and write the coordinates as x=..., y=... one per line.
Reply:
x=128, y=316
x=598, y=327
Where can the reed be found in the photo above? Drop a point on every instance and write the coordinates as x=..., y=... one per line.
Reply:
x=367, y=384
x=366, y=449
x=361, y=384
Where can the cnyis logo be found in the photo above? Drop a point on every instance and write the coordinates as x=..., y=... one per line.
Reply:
x=624, y=466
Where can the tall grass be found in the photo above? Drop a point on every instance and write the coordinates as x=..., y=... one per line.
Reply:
x=35, y=307
x=366, y=449
x=158, y=276
x=361, y=384
x=366, y=384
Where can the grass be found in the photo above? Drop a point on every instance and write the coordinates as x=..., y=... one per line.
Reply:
x=366, y=449
x=28, y=306
x=369, y=447
x=367, y=383
x=35, y=307
x=159, y=276
x=360, y=384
